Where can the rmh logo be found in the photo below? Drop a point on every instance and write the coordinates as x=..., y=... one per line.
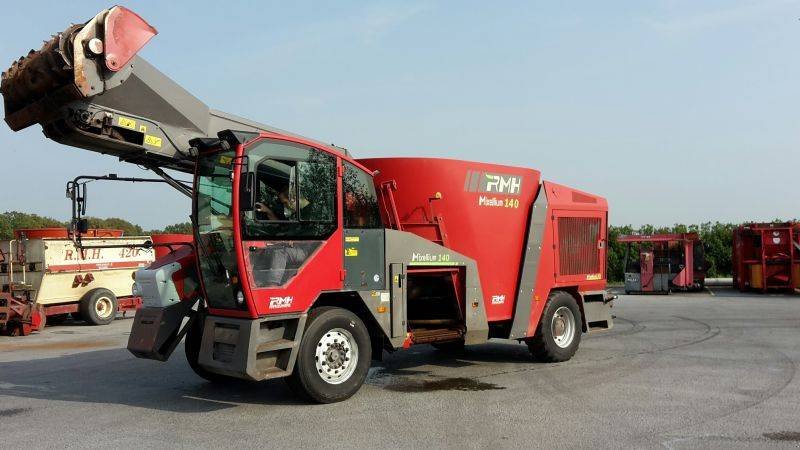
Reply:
x=501, y=184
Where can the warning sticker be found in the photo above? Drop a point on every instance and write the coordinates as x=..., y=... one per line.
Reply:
x=351, y=251
x=152, y=140
x=124, y=122
x=352, y=238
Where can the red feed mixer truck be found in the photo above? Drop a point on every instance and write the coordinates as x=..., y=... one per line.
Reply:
x=308, y=263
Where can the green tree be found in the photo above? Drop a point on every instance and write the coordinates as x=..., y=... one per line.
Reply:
x=116, y=223
x=12, y=220
x=616, y=252
x=176, y=228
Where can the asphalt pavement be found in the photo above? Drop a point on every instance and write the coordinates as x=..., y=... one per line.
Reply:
x=715, y=369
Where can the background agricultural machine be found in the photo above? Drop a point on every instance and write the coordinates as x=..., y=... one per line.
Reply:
x=766, y=257
x=307, y=263
x=659, y=263
x=45, y=276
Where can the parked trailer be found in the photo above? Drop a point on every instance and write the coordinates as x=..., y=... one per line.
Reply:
x=766, y=257
x=660, y=263
x=45, y=277
x=308, y=263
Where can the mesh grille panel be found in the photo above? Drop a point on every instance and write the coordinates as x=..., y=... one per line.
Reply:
x=578, y=243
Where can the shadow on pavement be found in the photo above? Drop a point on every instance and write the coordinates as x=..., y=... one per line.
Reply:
x=115, y=377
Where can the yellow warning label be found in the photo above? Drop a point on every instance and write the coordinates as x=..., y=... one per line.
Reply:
x=352, y=238
x=351, y=251
x=594, y=276
x=142, y=128
x=152, y=140
x=124, y=122
x=225, y=160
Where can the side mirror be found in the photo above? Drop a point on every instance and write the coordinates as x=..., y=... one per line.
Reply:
x=247, y=191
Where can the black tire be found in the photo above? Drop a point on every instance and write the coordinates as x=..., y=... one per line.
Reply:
x=543, y=345
x=191, y=346
x=57, y=319
x=13, y=328
x=99, y=306
x=310, y=382
x=455, y=347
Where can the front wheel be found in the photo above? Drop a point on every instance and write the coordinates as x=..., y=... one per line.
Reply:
x=334, y=356
x=559, y=332
x=191, y=347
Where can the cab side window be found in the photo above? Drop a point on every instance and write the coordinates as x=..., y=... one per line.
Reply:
x=295, y=192
x=360, y=202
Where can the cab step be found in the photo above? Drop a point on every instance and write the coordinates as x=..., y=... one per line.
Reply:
x=429, y=336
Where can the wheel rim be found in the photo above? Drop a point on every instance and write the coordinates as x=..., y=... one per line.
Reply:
x=563, y=327
x=103, y=307
x=336, y=356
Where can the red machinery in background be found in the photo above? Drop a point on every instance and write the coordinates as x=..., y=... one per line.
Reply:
x=45, y=278
x=659, y=263
x=766, y=256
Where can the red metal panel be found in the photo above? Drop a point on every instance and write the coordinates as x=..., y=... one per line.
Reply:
x=125, y=34
x=765, y=255
x=169, y=238
x=580, y=253
x=56, y=268
x=486, y=217
x=579, y=245
x=647, y=273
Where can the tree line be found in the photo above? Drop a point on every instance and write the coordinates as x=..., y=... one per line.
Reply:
x=11, y=220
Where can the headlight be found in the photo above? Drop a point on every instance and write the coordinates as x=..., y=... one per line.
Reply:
x=135, y=290
x=240, y=298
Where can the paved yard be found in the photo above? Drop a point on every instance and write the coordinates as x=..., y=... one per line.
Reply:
x=715, y=370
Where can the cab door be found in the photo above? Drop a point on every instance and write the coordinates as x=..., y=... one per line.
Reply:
x=291, y=238
x=364, y=259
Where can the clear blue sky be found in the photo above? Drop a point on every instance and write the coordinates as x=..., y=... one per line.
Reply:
x=676, y=111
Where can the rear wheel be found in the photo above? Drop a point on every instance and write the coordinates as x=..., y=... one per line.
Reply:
x=559, y=332
x=333, y=358
x=99, y=306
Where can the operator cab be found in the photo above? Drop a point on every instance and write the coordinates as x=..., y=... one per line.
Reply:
x=270, y=212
